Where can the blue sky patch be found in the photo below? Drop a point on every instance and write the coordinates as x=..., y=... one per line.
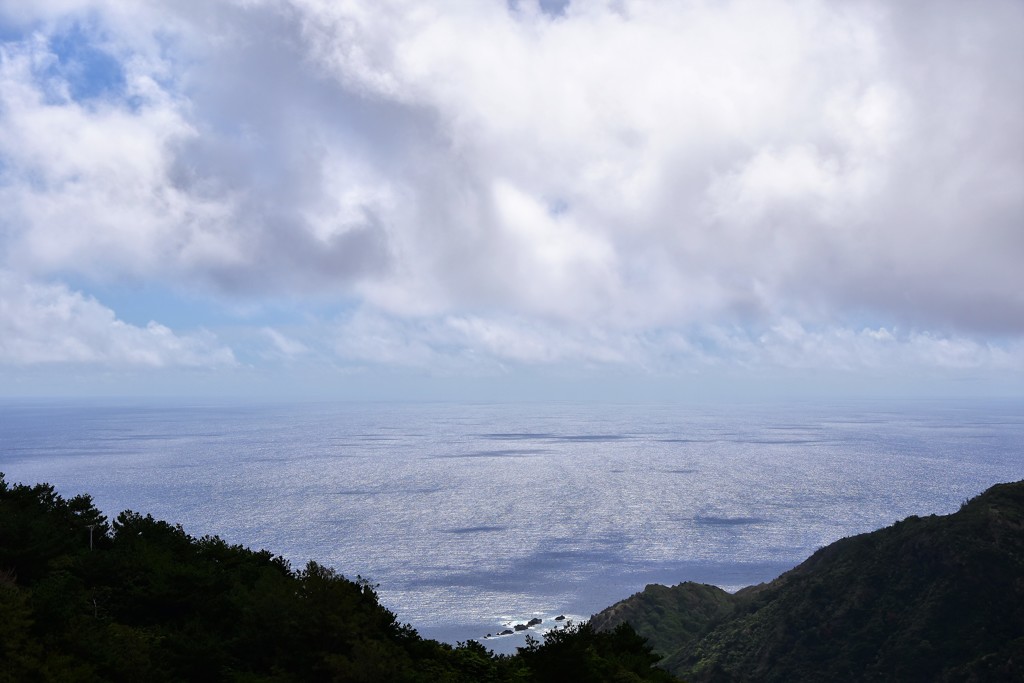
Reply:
x=139, y=303
x=553, y=8
x=90, y=71
x=9, y=33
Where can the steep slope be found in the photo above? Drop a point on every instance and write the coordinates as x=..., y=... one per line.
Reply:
x=670, y=618
x=928, y=599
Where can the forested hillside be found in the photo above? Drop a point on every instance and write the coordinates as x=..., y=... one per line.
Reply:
x=84, y=599
x=927, y=599
x=139, y=599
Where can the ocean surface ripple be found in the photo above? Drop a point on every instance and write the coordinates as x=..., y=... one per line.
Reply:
x=473, y=517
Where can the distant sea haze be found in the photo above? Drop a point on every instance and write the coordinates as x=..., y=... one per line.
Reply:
x=475, y=517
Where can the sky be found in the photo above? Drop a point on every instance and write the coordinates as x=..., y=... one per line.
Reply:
x=486, y=199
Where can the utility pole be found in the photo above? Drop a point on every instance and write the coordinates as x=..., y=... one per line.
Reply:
x=91, y=526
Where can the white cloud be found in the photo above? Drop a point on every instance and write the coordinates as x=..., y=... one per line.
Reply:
x=613, y=182
x=284, y=345
x=46, y=324
x=474, y=345
x=789, y=345
x=85, y=185
x=778, y=155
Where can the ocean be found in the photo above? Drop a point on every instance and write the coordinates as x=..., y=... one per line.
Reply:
x=474, y=517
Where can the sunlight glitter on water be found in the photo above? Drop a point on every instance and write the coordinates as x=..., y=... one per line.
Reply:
x=473, y=516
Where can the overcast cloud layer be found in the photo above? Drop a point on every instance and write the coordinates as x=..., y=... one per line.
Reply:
x=477, y=186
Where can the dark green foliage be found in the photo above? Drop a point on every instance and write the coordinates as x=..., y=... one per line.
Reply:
x=939, y=598
x=927, y=599
x=669, y=617
x=150, y=603
x=582, y=654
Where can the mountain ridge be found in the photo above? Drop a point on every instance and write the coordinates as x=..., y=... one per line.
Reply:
x=936, y=598
x=927, y=598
